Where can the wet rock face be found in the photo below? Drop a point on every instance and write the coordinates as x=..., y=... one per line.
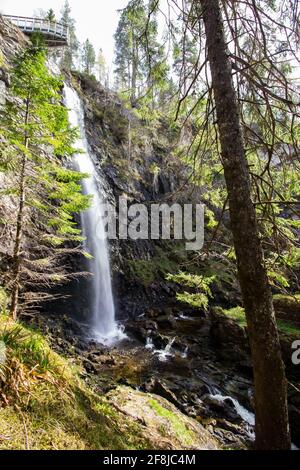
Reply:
x=192, y=378
x=222, y=409
x=229, y=339
x=143, y=169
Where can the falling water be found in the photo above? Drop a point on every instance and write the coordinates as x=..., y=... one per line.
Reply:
x=149, y=343
x=164, y=354
x=246, y=415
x=103, y=325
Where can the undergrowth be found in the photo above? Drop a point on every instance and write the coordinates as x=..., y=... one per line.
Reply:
x=45, y=403
x=284, y=326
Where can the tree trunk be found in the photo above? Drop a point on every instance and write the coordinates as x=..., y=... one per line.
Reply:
x=271, y=424
x=19, y=227
x=135, y=62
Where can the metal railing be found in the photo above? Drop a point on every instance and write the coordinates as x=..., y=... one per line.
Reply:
x=50, y=29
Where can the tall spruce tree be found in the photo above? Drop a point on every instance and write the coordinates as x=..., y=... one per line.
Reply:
x=102, y=69
x=140, y=63
x=50, y=15
x=35, y=135
x=88, y=57
x=69, y=54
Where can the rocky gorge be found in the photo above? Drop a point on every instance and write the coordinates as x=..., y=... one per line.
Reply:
x=195, y=360
x=198, y=360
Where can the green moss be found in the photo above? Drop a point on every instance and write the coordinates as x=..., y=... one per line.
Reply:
x=46, y=405
x=166, y=260
x=288, y=328
x=179, y=428
x=238, y=314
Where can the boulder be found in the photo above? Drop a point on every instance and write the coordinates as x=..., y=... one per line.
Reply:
x=287, y=308
x=161, y=422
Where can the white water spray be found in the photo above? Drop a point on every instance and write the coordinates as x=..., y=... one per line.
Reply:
x=164, y=354
x=246, y=415
x=103, y=325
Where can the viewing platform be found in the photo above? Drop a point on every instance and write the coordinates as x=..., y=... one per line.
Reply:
x=55, y=34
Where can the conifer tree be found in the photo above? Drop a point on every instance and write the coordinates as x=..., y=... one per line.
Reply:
x=88, y=57
x=35, y=135
x=50, y=16
x=102, y=71
x=140, y=63
x=70, y=53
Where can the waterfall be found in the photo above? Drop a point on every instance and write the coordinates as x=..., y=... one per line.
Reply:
x=103, y=325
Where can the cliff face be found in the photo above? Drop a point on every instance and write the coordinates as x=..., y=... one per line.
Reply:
x=136, y=161
x=133, y=160
x=12, y=41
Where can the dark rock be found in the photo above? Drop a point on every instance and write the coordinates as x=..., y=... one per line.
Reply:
x=287, y=308
x=294, y=417
x=229, y=338
x=222, y=408
x=159, y=388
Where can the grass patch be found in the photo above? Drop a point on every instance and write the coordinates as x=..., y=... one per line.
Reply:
x=44, y=404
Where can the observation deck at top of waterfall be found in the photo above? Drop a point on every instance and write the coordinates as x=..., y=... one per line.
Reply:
x=55, y=34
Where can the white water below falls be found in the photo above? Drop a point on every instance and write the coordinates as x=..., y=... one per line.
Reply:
x=164, y=354
x=104, y=328
x=246, y=415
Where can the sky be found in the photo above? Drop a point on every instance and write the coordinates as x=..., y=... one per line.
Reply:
x=95, y=19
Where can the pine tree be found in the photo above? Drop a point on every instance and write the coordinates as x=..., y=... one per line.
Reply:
x=70, y=53
x=122, y=55
x=102, y=71
x=50, y=16
x=130, y=50
x=35, y=135
x=140, y=62
x=88, y=57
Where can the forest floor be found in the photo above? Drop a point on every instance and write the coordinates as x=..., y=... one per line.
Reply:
x=47, y=404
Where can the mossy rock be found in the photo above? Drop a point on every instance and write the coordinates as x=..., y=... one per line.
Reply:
x=163, y=424
x=45, y=405
x=166, y=260
x=287, y=307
